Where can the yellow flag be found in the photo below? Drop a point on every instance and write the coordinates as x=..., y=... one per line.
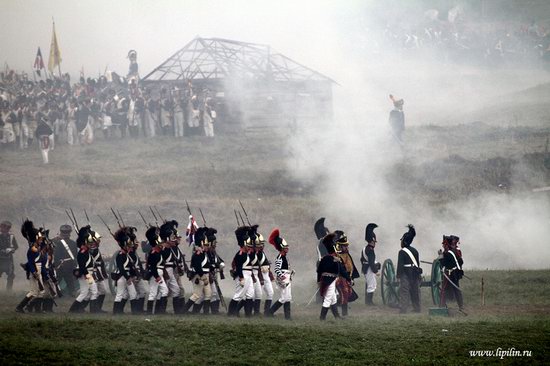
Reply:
x=55, y=53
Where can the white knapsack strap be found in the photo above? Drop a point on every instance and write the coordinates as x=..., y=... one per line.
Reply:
x=413, y=259
x=67, y=248
x=456, y=260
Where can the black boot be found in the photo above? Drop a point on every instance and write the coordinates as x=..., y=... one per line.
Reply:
x=334, y=309
x=248, y=307
x=161, y=305
x=99, y=305
x=344, y=309
x=369, y=296
x=123, y=304
x=267, y=306
x=257, y=305
x=75, y=307
x=197, y=308
x=37, y=305
x=20, y=308
x=215, y=307
x=134, y=307
x=176, y=304
x=116, y=308
x=93, y=306
x=150, y=306
x=206, y=307
x=324, y=312
x=9, y=284
x=83, y=306
x=187, y=306
x=241, y=305
x=141, y=303
x=274, y=308
x=232, y=308
x=286, y=307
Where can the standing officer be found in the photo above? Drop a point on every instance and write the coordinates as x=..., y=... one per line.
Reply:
x=409, y=273
x=370, y=267
x=8, y=246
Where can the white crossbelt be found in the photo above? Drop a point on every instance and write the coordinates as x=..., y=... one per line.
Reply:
x=456, y=261
x=67, y=248
x=413, y=259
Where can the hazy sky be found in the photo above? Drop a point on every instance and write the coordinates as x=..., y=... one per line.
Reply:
x=94, y=34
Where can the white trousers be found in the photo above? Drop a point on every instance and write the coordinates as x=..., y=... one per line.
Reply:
x=34, y=287
x=257, y=285
x=370, y=276
x=71, y=133
x=157, y=289
x=245, y=291
x=286, y=293
x=124, y=291
x=178, y=122
x=330, y=296
x=268, y=287
x=201, y=288
x=87, y=291
x=142, y=288
x=208, y=127
x=173, y=282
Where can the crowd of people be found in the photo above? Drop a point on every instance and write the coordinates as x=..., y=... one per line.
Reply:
x=469, y=43
x=148, y=284
x=112, y=106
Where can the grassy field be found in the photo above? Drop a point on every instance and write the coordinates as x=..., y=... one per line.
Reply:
x=516, y=315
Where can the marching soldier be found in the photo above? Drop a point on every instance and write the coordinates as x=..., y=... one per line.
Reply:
x=33, y=267
x=124, y=274
x=451, y=263
x=216, y=271
x=200, y=270
x=172, y=263
x=139, y=282
x=65, y=255
x=241, y=271
x=86, y=271
x=158, y=290
x=283, y=273
x=96, y=303
x=343, y=286
x=330, y=267
x=257, y=279
x=370, y=267
x=266, y=277
x=408, y=273
x=8, y=246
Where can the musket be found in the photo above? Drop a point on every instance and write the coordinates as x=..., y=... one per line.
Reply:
x=72, y=222
x=116, y=217
x=158, y=212
x=108, y=228
x=236, y=217
x=203, y=220
x=120, y=216
x=188, y=208
x=147, y=226
x=74, y=217
x=245, y=214
x=241, y=217
x=220, y=295
x=155, y=216
x=86, y=214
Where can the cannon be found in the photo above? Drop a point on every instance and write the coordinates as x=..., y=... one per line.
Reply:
x=390, y=287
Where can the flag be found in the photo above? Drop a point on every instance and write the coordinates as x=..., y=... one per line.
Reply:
x=38, y=62
x=55, y=53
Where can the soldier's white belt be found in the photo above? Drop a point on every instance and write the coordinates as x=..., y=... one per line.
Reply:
x=326, y=274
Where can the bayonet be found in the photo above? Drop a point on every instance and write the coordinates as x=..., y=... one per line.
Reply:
x=245, y=214
x=108, y=228
x=203, y=220
x=116, y=217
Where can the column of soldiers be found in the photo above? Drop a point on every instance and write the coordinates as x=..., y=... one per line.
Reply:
x=165, y=266
x=75, y=114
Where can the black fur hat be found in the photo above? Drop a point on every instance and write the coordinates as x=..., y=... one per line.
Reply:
x=152, y=234
x=200, y=236
x=29, y=232
x=84, y=235
x=408, y=237
x=211, y=234
x=241, y=233
x=122, y=238
x=328, y=241
x=168, y=229
x=369, y=232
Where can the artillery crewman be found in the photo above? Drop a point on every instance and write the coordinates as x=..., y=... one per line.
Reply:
x=8, y=246
x=283, y=273
x=65, y=255
x=451, y=263
x=330, y=267
x=408, y=273
x=370, y=267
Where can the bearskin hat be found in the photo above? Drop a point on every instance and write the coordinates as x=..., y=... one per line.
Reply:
x=122, y=238
x=152, y=234
x=454, y=238
x=131, y=232
x=320, y=228
x=241, y=233
x=408, y=237
x=369, y=232
x=211, y=234
x=277, y=241
x=200, y=236
x=84, y=236
x=168, y=229
x=328, y=241
x=29, y=232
